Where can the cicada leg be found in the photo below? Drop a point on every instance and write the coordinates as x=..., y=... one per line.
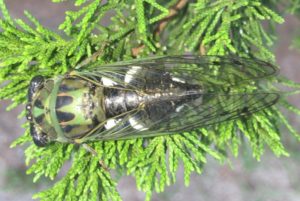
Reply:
x=90, y=149
x=95, y=154
x=102, y=164
x=93, y=57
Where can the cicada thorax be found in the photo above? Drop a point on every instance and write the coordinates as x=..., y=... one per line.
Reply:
x=63, y=108
x=79, y=107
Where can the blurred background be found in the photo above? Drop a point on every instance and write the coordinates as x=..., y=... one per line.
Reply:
x=271, y=179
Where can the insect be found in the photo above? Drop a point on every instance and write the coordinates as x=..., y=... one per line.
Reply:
x=145, y=98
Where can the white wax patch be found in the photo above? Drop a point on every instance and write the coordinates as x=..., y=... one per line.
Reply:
x=107, y=82
x=176, y=79
x=136, y=125
x=129, y=75
x=110, y=124
x=179, y=108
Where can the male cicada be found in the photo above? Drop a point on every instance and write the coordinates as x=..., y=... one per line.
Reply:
x=145, y=98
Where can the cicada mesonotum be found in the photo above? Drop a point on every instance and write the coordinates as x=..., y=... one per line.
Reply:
x=145, y=98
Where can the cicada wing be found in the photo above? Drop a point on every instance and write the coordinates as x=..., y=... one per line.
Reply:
x=207, y=73
x=160, y=119
x=210, y=72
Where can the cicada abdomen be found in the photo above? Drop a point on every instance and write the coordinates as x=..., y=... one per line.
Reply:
x=157, y=95
x=144, y=98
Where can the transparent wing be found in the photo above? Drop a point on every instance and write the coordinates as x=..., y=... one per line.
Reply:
x=195, y=108
x=162, y=119
x=210, y=72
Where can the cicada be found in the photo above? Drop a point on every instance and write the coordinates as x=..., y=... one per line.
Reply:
x=146, y=98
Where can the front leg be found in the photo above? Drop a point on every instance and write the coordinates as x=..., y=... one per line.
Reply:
x=95, y=154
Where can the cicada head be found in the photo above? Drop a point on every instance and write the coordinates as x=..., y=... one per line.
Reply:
x=36, y=84
x=38, y=95
x=40, y=138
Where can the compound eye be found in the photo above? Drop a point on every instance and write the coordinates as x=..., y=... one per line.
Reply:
x=40, y=138
x=36, y=83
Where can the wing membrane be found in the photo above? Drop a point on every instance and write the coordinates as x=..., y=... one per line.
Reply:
x=210, y=72
x=204, y=107
x=211, y=109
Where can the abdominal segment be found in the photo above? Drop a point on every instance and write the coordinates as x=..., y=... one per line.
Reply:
x=159, y=95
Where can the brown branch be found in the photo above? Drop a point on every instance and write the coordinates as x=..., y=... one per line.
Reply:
x=173, y=11
x=136, y=50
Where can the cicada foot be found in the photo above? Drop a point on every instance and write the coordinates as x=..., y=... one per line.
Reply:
x=103, y=165
x=95, y=154
x=71, y=74
x=93, y=57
